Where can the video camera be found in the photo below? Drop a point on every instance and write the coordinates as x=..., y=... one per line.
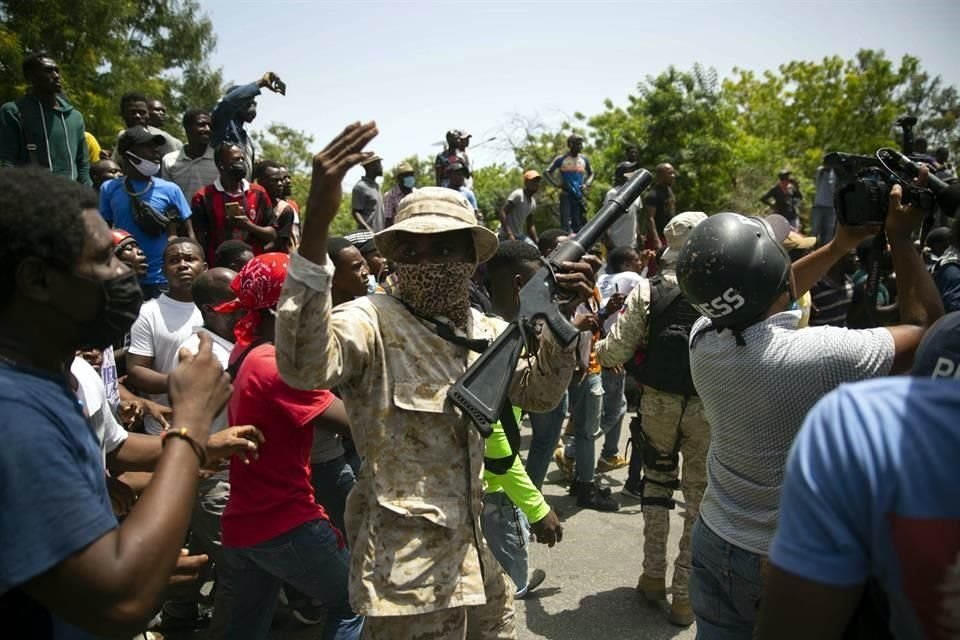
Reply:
x=864, y=183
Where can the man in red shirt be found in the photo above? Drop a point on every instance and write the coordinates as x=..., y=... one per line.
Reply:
x=232, y=207
x=273, y=530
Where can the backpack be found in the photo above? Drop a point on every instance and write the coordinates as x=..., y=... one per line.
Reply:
x=666, y=360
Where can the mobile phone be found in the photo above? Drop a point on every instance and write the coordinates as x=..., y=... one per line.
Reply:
x=232, y=209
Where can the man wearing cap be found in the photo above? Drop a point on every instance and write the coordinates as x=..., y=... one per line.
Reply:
x=516, y=217
x=757, y=374
x=406, y=183
x=671, y=423
x=419, y=566
x=366, y=201
x=575, y=178
x=150, y=208
x=632, y=229
x=455, y=151
x=869, y=504
x=785, y=198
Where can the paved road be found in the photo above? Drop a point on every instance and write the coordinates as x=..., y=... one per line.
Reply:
x=589, y=591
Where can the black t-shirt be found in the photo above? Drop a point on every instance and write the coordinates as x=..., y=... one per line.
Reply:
x=661, y=198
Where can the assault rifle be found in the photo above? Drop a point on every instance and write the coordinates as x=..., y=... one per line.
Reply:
x=481, y=392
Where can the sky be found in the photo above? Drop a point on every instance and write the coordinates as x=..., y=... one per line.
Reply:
x=421, y=68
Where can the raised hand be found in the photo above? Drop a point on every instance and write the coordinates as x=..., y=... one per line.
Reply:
x=329, y=167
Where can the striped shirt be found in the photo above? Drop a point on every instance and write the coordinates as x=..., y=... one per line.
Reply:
x=831, y=302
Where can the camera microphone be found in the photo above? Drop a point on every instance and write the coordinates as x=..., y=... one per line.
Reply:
x=947, y=195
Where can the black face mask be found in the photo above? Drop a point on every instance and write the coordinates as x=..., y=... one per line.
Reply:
x=120, y=306
x=236, y=171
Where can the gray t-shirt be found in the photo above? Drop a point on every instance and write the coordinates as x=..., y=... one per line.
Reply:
x=521, y=206
x=368, y=200
x=779, y=375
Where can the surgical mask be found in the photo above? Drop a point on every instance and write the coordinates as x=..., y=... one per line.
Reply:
x=121, y=300
x=237, y=170
x=437, y=289
x=409, y=181
x=371, y=284
x=144, y=166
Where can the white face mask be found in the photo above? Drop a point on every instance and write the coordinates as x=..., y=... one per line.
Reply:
x=145, y=167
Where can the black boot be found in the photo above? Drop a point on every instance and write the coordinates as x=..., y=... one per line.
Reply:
x=591, y=496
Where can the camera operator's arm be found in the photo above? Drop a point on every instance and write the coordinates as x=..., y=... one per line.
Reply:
x=810, y=269
x=920, y=303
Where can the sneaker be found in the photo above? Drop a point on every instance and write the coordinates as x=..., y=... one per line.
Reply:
x=605, y=465
x=565, y=464
x=653, y=589
x=681, y=613
x=308, y=613
x=590, y=496
x=536, y=579
x=632, y=491
x=165, y=623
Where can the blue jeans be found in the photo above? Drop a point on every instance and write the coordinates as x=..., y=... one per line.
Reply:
x=546, y=433
x=614, y=408
x=508, y=533
x=310, y=558
x=586, y=398
x=725, y=587
x=572, y=215
x=824, y=224
x=332, y=482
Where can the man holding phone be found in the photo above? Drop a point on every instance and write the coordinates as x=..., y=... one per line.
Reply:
x=237, y=108
x=232, y=207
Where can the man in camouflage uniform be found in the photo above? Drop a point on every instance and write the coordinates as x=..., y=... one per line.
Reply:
x=419, y=565
x=668, y=420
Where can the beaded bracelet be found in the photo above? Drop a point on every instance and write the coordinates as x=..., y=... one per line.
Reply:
x=183, y=434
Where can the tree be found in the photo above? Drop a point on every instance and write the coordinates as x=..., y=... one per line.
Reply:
x=108, y=47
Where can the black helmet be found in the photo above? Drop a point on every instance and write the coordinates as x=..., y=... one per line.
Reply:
x=732, y=268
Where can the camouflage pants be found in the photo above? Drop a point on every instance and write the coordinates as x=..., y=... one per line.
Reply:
x=491, y=621
x=662, y=423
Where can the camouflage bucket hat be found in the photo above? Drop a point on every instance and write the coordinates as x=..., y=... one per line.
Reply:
x=436, y=210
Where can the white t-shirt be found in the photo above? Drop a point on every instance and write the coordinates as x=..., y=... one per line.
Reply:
x=520, y=208
x=623, y=232
x=755, y=397
x=221, y=351
x=93, y=396
x=163, y=325
x=609, y=284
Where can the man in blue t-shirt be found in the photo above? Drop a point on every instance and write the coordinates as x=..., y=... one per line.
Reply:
x=575, y=178
x=130, y=202
x=67, y=570
x=871, y=494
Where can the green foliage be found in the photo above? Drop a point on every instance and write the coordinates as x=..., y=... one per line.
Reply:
x=727, y=141
x=108, y=47
x=290, y=147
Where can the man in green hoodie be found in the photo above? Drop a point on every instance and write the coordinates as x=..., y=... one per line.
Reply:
x=42, y=128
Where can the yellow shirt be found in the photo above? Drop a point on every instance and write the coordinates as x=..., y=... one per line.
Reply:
x=93, y=147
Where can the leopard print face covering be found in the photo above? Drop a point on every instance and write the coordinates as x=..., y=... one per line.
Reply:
x=437, y=289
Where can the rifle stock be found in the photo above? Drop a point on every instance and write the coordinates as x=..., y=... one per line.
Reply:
x=481, y=392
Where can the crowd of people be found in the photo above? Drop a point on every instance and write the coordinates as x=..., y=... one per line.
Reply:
x=199, y=387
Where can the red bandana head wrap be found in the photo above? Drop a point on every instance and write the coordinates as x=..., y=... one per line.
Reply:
x=257, y=287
